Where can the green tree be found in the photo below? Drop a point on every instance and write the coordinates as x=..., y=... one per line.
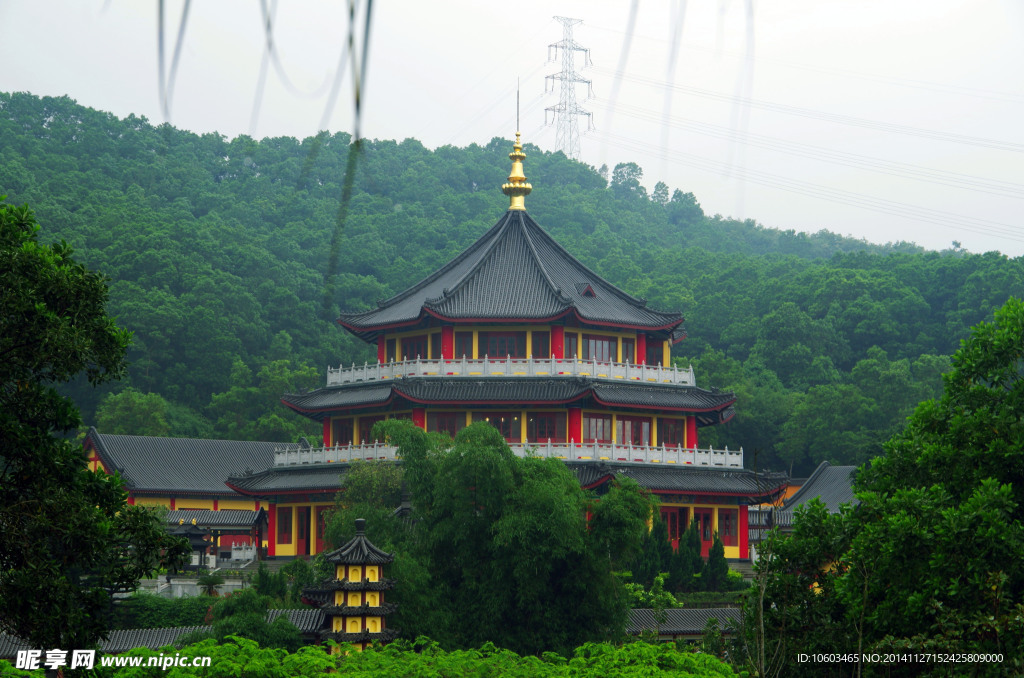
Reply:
x=209, y=584
x=244, y=614
x=132, y=412
x=503, y=540
x=932, y=560
x=241, y=413
x=69, y=540
x=715, y=575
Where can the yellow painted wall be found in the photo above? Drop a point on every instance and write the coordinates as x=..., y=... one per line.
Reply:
x=153, y=501
x=188, y=503
x=237, y=504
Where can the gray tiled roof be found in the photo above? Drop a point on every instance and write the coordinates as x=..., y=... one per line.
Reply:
x=286, y=478
x=307, y=620
x=681, y=621
x=359, y=550
x=684, y=479
x=833, y=485
x=123, y=640
x=711, y=407
x=514, y=271
x=221, y=518
x=184, y=465
x=120, y=640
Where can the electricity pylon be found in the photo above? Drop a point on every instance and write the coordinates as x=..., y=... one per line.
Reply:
x=567, y=135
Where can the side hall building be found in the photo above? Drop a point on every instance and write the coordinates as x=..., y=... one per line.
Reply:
x=518, y=333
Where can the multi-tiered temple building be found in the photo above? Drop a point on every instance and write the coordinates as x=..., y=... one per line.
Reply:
x=516, y=332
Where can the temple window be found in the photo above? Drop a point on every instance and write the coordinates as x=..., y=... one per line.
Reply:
x=633, y=430
x=628, y=350
x=654, y=352
x=728, y=520
x=544, y=426
x=446, y=422
x=342, y=432
x=390, y=351
x=541, y=347
x=572, y=348
x=414, y=347
x=435, y=346
x=601, y=348
x=597, y=428
x=284, y=525
x=507, y=423
x=463, y=345
x=671, y=432
x=502, y=344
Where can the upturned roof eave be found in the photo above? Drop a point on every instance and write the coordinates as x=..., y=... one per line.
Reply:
x=369, y=331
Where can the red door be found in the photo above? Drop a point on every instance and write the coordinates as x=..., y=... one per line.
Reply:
x=302, y=535
x=321, y=526
x=702, y=516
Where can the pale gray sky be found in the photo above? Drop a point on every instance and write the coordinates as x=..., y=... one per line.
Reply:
x=797, y=113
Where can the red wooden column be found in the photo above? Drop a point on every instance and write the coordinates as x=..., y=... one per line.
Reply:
x=691, y=432
x=557, y=342
x=744, y=532
x=381, y=350
x=419, y=417
x=272, y=529
x=327, y=432
x=641, y=348
x=575, y=432
x=172, y=504
x=448, y=342
x=216, y=504
x=131, y=500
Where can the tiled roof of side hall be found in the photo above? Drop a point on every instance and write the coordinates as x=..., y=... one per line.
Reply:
x=284, y=479
x=220, y=518
x=515, y=271
x=516, y=390
x=681, y=621
x=833, y=485
x=681, y=478
x=182, y=465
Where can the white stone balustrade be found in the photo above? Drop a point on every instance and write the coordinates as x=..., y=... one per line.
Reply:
x=343, y=454
x=509, y=367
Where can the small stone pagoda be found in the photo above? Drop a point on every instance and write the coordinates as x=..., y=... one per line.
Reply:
x=353, y=602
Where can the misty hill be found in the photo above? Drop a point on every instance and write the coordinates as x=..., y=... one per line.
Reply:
x=219, y=250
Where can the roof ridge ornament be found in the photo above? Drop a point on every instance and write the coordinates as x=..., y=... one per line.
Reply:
x=517, y=189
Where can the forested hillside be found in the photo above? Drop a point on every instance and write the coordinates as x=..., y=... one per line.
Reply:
x=218, y=254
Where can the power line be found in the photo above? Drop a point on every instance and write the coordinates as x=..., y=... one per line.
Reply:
x=850, y=198
x=828, y=117
x=959, y=90
x=891, y=168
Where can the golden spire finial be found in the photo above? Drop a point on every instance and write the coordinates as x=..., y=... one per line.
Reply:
x=517, y=189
